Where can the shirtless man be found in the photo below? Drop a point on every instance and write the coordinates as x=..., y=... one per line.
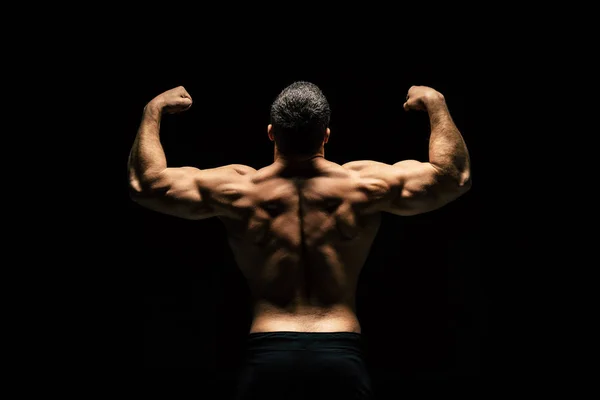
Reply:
x=300, y=230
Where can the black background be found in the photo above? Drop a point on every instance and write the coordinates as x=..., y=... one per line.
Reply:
x=421, y=301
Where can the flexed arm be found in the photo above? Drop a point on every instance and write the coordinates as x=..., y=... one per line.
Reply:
x=447, y=150
x=184, y=192
x=147, y=158
x=412, y=187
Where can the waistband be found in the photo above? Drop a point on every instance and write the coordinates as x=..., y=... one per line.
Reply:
x=304, y=341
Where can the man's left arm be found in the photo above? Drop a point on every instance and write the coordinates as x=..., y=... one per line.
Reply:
x=184, y=192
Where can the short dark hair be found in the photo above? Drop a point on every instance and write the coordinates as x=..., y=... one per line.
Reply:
x=299, y=117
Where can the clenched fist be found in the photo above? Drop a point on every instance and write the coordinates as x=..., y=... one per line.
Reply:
x=173, y=101
x=419, y=98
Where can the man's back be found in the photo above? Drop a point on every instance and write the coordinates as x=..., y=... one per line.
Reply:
x=301, y=236
x=300, y=230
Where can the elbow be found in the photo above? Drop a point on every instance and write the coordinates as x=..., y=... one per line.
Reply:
x=135, y=186
x=465, y=182
x=456, y=178
x=139, y=189
x=144, y=186
x=462, y=184
x=464, y=187
x=460, y=178
x=136, y=190
x=457, y=184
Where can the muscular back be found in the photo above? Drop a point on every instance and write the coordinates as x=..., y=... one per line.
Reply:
x=301, y=234
x=301, y=237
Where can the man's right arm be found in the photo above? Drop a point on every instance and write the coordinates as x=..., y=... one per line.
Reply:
x=411, y=187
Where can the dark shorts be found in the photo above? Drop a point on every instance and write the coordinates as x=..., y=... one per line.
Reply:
x=301, y=365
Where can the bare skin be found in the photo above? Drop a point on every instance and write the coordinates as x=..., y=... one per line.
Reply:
x=301, y=228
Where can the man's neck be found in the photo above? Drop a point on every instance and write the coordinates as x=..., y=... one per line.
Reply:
x=299, y=164
x=298, y=160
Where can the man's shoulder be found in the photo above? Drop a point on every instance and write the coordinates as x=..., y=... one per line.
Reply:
x=242, y=169
x=359, y=165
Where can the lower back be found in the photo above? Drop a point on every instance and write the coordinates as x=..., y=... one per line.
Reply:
x=304, y=318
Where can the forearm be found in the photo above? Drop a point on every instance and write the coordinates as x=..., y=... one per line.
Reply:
x=447, y=149
x=147, y=157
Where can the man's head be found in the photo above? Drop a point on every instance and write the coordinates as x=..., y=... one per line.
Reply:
x=299, y=120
